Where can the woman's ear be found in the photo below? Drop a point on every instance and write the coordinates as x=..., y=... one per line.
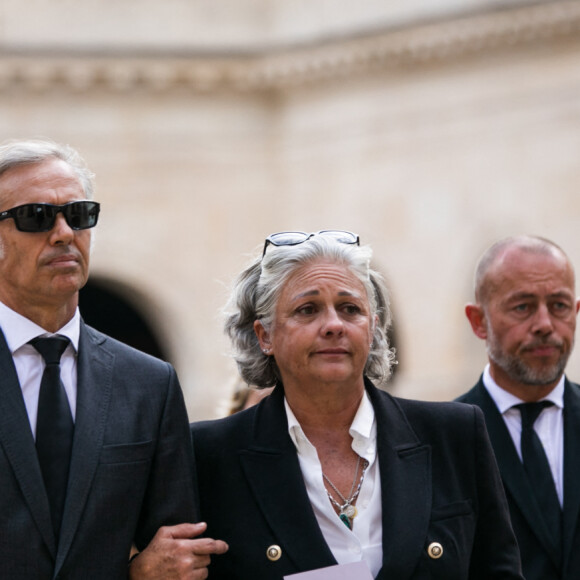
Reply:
x=263, y=337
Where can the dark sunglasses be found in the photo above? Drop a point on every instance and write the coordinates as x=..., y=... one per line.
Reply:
x=41, y=217
x=295, y=238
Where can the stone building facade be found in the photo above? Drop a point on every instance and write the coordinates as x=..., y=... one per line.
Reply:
x=431, y=129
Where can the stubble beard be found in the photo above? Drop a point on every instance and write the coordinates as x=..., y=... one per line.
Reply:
x=518, y=370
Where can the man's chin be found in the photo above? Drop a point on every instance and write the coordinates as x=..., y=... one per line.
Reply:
x=66, y=285
x=525, y=373
x=541, y=376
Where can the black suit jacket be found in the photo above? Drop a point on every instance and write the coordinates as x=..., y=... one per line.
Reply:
x=131, y=467
x=439, y=483
x=540, y=558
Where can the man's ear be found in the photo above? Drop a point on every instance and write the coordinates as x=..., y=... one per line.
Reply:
x=263, y=337
x=476, y=317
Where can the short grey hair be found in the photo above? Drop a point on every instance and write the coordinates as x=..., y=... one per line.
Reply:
x=29, y=152
x=257, y=289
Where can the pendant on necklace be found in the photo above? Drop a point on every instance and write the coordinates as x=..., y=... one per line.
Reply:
x=345, y=520
x=350, y=511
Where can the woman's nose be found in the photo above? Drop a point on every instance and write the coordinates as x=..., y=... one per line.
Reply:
x=333, y=323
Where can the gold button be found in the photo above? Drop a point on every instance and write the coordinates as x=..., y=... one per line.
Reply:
x=274, y=553
x=435, y=550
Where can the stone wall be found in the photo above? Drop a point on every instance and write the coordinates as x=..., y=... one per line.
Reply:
x=431, y=134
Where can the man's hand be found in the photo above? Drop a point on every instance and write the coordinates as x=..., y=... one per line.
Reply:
x=176, y=553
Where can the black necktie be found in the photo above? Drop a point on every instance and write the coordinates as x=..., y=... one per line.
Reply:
x=538, y=469
x=54, y=426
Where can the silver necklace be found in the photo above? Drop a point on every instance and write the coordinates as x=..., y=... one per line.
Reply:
x=347, y=511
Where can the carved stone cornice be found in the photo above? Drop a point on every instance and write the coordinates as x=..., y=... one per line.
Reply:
x=281, y=67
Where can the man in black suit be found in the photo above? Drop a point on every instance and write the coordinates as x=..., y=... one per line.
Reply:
x=526, y=311
x=110, y=463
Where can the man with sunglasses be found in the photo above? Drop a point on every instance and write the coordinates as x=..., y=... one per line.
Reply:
x=95, y=455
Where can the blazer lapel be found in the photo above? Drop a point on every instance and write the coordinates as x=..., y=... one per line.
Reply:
x=94, y=384
x=405, y=468
x=273, y=472
x=18, y=443
x=571, y=467
x=512, y=470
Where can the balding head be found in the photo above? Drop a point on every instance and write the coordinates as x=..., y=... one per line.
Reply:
x=526, y=312
x=494, y=257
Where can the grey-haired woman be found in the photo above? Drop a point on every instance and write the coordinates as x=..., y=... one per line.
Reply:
x=329, y=470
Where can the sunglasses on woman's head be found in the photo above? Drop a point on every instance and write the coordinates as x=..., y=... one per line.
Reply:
x=41, y=217
x=295, y=238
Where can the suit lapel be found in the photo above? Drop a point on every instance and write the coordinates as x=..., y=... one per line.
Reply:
x=571, y=467
x=405, y=468
x=94, y=384
x=18, y=443
x=273, y=472
x=512, y=470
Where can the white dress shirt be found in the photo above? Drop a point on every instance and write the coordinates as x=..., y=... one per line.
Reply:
x=364, y=541
x=549, y=425
x=29, y=363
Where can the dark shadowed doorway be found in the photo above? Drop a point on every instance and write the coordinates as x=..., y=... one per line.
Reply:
x=110, y=312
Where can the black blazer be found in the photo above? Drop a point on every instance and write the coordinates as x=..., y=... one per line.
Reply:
x=131, y=467
x=439, y=484
x=540, y=558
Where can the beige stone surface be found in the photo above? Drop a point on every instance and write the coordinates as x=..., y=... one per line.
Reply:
x=219, y=25
x=431, y=139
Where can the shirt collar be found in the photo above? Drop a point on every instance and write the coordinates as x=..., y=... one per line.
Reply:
x=294, y=428
x=19, y=330
x=505, y=400
x=363, y=429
